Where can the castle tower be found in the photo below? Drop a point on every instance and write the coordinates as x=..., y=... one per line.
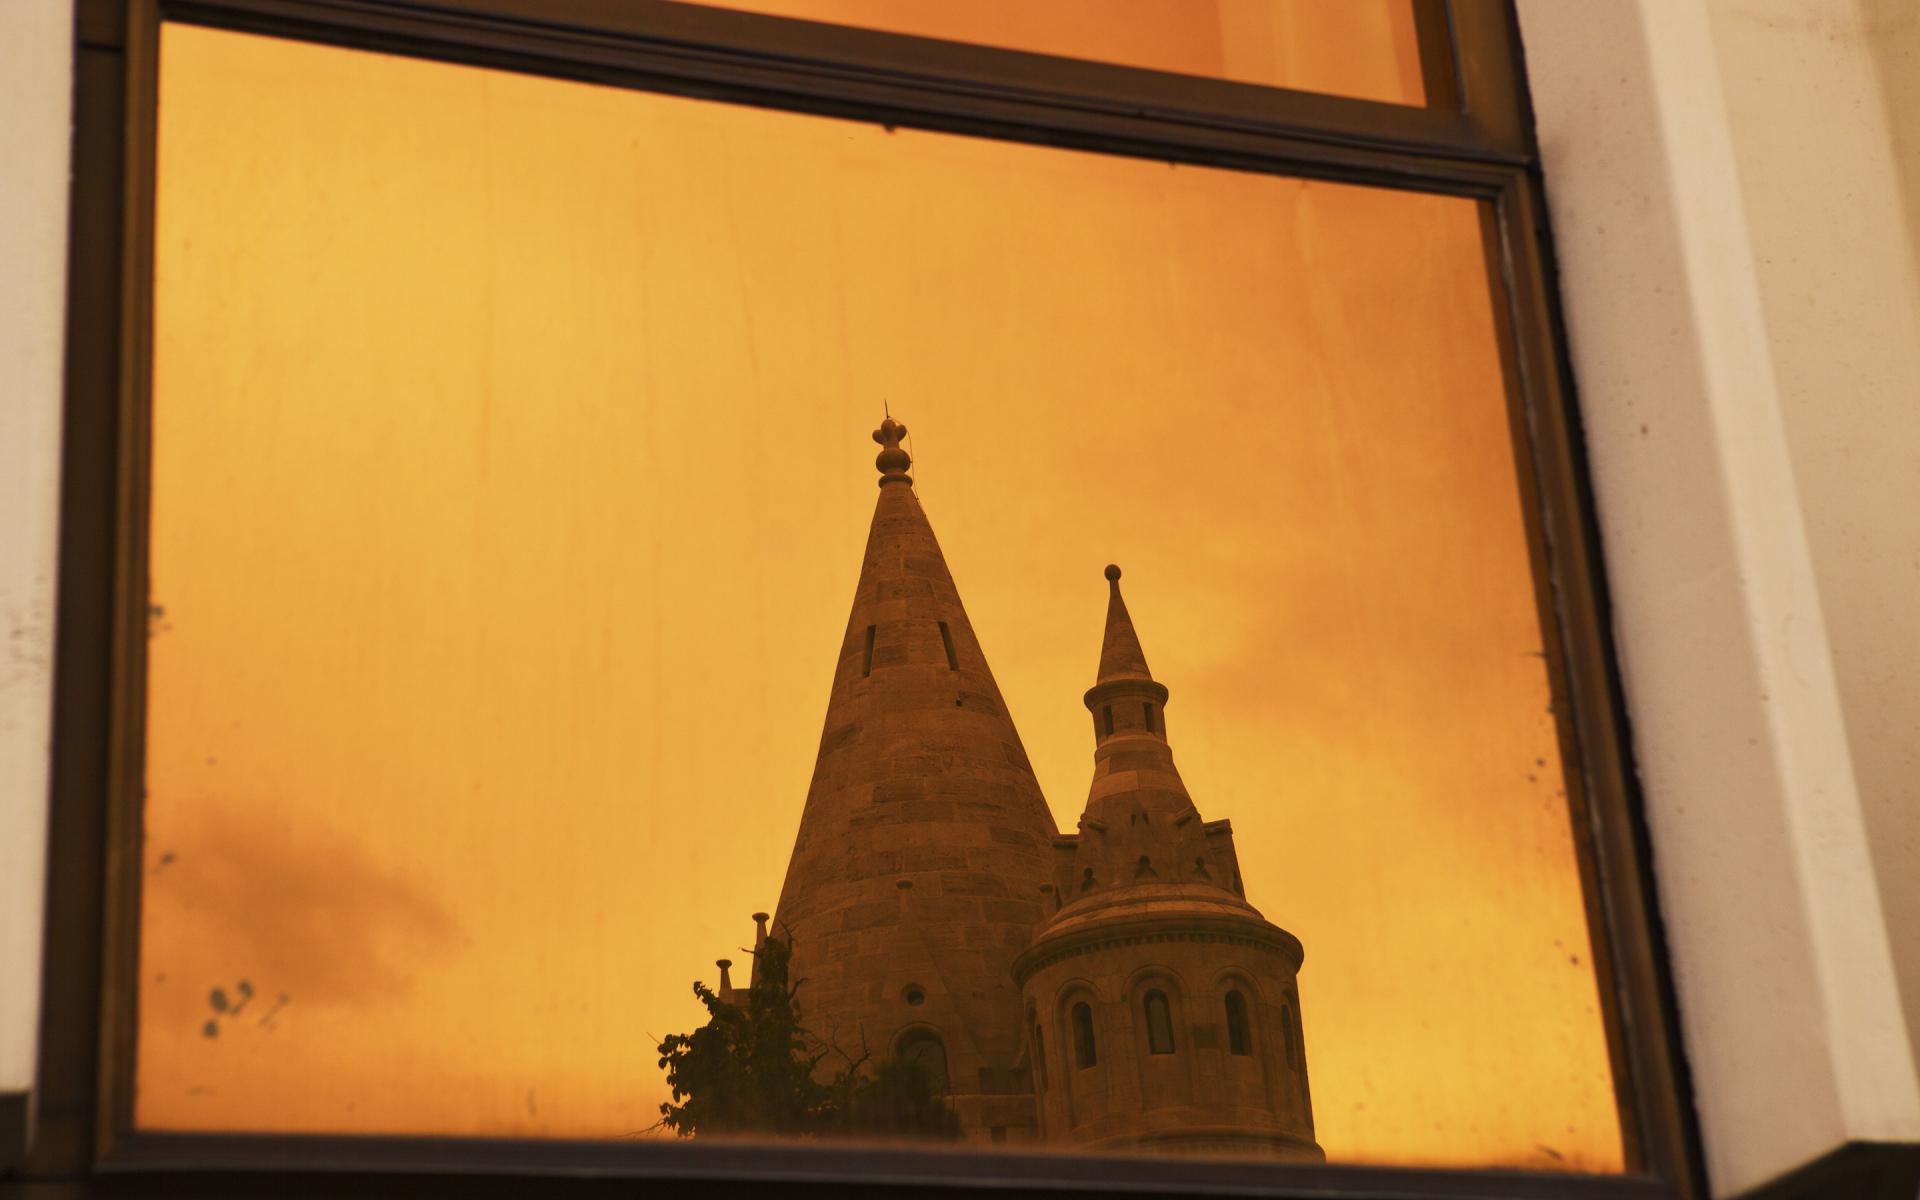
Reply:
x=917, y=872
x=1162, y=1010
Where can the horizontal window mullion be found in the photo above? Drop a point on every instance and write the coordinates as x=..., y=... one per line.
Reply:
x=863, y=74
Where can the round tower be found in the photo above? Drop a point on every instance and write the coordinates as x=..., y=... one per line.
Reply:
x=1162, y=1010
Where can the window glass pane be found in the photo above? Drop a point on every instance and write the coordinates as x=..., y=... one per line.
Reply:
x=1367, y=49
x=511, y=478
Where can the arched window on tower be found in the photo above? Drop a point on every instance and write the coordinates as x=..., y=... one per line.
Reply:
x=1083, y=1052
x=1239, y=1039
x=925, y=1048
x=1286, y=1037
x=1040, y=1057
x=1159, y=1023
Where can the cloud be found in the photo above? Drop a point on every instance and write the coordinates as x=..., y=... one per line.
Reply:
x=298, y=908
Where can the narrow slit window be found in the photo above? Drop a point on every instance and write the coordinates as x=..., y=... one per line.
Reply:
x=946, y=639
x=1106, y=719
x=1159, y=1023
x=1083, y=1051
x=866, y=668
x=1149, y=711
x=1238, y=1041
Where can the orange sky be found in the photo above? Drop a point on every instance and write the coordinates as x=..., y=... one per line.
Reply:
x=511, y=475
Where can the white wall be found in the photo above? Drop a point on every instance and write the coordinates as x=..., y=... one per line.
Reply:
x=36, y=82
x=1740, y=285
x=1828, y=165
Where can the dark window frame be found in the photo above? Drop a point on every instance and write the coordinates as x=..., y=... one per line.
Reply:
x=1474, y=139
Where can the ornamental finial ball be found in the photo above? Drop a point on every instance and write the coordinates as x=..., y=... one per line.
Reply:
x=892, y=460
x=1113, y=573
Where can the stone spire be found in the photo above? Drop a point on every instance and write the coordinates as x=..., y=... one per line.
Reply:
x=923, y=846
x=1145, y=825
x=1120, y=653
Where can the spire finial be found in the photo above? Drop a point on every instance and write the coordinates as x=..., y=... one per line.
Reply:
x=1113, y=573
x=892, y=460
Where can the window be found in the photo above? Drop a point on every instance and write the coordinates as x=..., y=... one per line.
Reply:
x=1287, y=1037
x=1148, y=717
x=371, y=533
x=1083, y=1049
x=946, y=640
x=1238, y=1039
x=1040, y=1057
x=1159, y=1023
x=926, y=1051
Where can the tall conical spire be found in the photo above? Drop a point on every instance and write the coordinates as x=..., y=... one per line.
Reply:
x=916, y=875
x=1120, y=653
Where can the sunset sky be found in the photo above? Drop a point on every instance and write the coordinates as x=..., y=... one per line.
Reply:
x=511, y=476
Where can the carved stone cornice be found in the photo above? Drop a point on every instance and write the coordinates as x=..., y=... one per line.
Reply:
x=1217, y=928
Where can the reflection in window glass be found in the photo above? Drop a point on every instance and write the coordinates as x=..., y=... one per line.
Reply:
x=511, y=478
x=1366, y=49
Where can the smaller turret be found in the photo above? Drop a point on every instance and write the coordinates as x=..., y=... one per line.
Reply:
x=1140, y=825
x=1162, y=1008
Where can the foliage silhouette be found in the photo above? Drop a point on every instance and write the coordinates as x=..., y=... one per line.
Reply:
x=752, y=1069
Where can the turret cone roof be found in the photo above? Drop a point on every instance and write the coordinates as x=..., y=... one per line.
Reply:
x=1120, y=653
x=923, y=845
